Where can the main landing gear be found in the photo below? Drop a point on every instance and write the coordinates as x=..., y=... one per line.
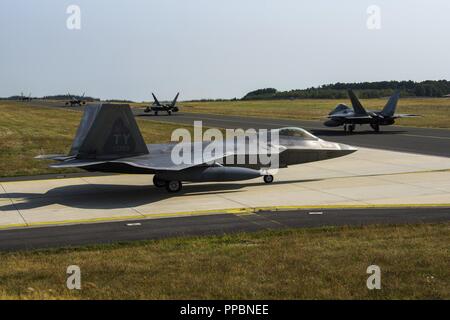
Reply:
x=350, y=128
x=171, y=186
x=174, y=186
x=375, y=127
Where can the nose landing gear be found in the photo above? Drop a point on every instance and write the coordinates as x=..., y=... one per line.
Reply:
x=268, y=178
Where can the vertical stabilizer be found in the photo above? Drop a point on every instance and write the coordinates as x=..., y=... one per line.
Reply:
x=108, y=131
x=357, y=106
x=174, y=102
x=156, y=100
x=389, y=109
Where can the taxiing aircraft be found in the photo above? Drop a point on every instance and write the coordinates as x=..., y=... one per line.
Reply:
x=24, y=98
x=75, y=101
x=108, y=140
x=343, y=115
x=158, y=107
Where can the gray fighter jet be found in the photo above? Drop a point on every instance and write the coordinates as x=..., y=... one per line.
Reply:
x=25, y=98
x=158, y=107
x=75, y=101
x=108, y=140
x=343, y=115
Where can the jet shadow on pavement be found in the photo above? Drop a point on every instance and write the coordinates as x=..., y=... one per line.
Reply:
x=109, y=196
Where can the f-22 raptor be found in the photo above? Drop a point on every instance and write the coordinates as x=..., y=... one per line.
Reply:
x=343, y=115
x=158, y=107
x=75, y=101
x=108, y=140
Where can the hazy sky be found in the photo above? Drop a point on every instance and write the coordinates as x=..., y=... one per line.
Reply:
x=213, y=49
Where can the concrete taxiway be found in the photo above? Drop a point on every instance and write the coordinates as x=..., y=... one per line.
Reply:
x=364, y=179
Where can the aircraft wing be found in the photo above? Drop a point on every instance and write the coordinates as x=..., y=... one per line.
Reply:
x=160, y=163
x=158, y=159
x=358, y=117
x=344, y=116
x=406, y=116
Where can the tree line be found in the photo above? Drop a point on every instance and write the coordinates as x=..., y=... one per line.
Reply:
x=429, y=88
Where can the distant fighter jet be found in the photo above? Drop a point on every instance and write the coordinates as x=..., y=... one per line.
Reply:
x=343, y=115
x=158, y=107
x=24, y=98
x=75, y=101
x=108, y=140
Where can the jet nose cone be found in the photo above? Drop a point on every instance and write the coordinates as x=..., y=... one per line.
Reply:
x=346, y=149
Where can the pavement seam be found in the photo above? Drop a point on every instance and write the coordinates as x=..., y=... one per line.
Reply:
x=15, y=207
x=332, y=194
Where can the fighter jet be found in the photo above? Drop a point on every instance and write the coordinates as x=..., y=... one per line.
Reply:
x=24, y=98
x=108, y=140
x=158, y=107
x=343, y=115
x=75, y=101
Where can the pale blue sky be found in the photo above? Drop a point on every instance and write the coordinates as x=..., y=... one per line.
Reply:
x=214, y=49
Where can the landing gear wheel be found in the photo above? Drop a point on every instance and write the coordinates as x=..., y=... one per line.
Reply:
x=158, y=182
x=169, y=113
x=268, y=178
x=173, y=186
x=351, y=128
x=375, y=127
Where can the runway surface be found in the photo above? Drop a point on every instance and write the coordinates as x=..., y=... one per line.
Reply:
x=396, y=138
x=115, y=232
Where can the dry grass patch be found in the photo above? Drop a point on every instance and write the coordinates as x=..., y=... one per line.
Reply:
x=324, y=263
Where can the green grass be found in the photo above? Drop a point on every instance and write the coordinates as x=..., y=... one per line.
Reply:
x=28, y=129
x=435, y=111
x=324, y=263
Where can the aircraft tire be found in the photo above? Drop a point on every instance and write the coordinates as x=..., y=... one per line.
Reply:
x=158, y=182
x=351, y=128
x=173, y=186
x=375, y=127
x=268, y=178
